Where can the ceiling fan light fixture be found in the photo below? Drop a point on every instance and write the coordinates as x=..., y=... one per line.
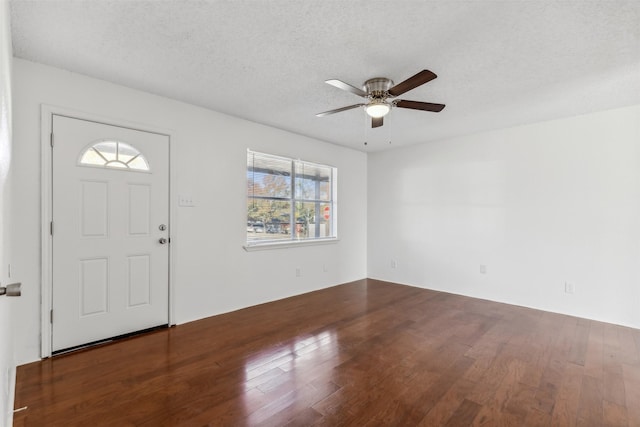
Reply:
x=377, y=109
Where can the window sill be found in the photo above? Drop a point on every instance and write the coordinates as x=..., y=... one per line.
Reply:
x=289, y=244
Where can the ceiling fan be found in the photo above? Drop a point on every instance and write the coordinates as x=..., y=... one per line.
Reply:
x=378, y=93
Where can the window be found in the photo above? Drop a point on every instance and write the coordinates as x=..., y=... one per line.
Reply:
x=114, y=154
x=289, y=200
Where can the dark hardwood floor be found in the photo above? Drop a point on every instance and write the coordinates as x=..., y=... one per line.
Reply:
x=367, y=353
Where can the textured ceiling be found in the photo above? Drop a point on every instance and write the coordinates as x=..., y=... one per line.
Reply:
x=499, y=63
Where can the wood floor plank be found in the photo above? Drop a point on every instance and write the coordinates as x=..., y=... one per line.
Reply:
x=465, y=414
x=632, y=392
x=545, y=396
x=580, y=342
x=445, y=407
x=594, y=357
x=565, y=409
x=366, y=353
x=614, y=415
x=590, y=408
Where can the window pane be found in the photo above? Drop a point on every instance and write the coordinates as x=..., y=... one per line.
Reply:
x=138, y=163
x=107, y=149
x=325, y=222
x=268, y=176
x=119, y=165
x=268, y=219
x=313, y=182
x=126, y=152
x=311, y=222
x=91, y=157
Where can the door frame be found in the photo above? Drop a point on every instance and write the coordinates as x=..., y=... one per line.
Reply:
x=46, y=185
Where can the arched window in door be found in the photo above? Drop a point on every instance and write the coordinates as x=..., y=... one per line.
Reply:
x=114, y=155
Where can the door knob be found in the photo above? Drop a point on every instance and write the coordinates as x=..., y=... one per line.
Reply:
x=162, y=241
x=12, y=290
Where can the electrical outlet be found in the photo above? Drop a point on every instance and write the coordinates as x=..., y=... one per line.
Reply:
x=570, y=287
x=298, y=272
x=394, y=263
x=483, y=269
x=325, y=268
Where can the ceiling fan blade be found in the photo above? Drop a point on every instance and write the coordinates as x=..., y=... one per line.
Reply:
x=415, y=105
x=376, y=122
x=346, y=86
x=421, y=78
x=338, y=110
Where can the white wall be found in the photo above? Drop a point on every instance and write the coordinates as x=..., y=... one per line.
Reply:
x=538, y=205
x=7, y=363
x=212, y=272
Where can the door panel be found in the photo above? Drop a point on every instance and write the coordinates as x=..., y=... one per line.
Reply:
x=139, y=282
x=94, y=286
x=95, y=208
x=139, y=201
x=110, y=271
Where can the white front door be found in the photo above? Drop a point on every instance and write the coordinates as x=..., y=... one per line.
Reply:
x=110, y=231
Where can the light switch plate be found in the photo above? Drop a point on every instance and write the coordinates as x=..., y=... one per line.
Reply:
x=186, y=201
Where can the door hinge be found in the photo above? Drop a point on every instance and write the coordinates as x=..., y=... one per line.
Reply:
x=51, y=316
x=51, y=139
x=51, y=228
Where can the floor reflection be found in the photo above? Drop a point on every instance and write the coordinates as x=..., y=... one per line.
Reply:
x=278, y=377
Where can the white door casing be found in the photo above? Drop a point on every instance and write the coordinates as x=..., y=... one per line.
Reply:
x=110, y=272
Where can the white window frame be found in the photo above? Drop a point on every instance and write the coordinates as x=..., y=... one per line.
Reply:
x=293, y=241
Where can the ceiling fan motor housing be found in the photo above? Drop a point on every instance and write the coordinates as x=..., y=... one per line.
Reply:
x=377, y=87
